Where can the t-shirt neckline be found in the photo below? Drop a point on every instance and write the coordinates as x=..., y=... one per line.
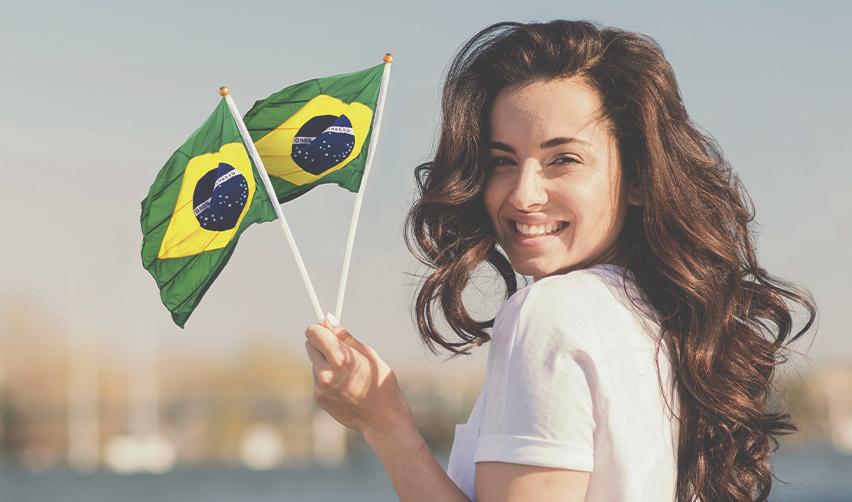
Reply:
x=613, y=267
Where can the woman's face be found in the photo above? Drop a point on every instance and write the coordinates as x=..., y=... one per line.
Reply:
x=553, y=193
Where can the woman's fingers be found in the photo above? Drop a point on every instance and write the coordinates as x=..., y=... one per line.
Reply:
x=321, y=371
x=326, y=343
x=346, y=337
x=316, y=357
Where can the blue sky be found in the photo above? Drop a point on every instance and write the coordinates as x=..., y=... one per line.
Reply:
x=97, y=95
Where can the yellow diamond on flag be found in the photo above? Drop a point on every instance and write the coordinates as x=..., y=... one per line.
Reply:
x=215, y=195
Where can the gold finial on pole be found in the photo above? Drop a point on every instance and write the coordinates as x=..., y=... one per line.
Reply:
x=388, y=57
x=224, y=91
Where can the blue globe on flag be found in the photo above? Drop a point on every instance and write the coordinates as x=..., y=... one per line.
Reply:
x=323, y=142
x=219, y=198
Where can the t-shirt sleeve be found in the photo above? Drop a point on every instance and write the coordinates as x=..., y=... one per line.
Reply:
x=540, y=406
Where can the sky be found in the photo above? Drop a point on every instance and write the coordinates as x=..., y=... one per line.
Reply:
x=97, y=96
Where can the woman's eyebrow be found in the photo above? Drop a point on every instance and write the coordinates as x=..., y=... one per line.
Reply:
x=552, y=142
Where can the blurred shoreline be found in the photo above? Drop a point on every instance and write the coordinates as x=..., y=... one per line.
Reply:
x=69, y=405
x=813, y=473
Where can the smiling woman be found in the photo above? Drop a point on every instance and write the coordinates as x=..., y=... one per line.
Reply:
x=556, y=203
x=637, y=364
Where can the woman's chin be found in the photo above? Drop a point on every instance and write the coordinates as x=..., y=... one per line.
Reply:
x=535, y=268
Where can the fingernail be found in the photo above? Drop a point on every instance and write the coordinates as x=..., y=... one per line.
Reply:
x=330, y=318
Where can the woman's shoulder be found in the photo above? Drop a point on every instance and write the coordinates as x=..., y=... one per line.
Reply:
x=576, y=303
x=580, y=290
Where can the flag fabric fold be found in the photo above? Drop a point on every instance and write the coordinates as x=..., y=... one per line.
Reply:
x=317, y=131
x=204, y=197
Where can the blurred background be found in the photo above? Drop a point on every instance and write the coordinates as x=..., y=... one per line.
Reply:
x=102, y=397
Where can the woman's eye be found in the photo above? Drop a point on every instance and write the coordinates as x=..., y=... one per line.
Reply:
x=565, y=160
x=496, y=161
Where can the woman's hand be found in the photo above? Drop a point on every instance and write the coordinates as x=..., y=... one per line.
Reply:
x=351, y=382
x=354, y=385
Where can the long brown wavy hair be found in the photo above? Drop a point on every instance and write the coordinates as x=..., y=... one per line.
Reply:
x=690, y=246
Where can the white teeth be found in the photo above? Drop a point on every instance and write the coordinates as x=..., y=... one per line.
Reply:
x=535, y=230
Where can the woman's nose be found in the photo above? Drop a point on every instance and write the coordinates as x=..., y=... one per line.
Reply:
x=528, y=191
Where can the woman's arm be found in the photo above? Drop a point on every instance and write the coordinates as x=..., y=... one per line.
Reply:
x=417, y=476
x=509, y=482
x=411, y=466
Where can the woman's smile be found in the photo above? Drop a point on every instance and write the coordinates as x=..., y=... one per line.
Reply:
x=536, y=235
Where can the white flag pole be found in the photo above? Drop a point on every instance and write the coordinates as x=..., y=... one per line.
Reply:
x=273, y=199
x=377, y=122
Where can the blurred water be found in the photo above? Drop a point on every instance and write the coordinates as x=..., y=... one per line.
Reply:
x=818, y=474
x=815, y=474
x=353, y=482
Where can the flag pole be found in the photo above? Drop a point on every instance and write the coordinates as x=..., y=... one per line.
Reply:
x=377, y=122
x=273, y=199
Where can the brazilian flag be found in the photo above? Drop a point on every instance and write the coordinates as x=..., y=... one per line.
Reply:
x=317, y=131
x=201, y=201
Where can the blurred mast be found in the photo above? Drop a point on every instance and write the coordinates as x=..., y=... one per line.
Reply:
x=143, y=385
x=142, y=448
x=83, y=381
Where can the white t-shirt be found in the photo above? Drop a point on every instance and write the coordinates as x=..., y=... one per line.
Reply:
x=571, y=382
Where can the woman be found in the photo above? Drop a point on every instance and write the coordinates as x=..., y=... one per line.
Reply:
x=636, y=365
